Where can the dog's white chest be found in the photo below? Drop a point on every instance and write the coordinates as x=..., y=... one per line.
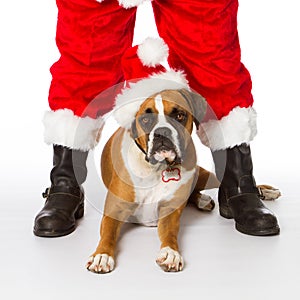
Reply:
x=150, y=197
x=152, y=185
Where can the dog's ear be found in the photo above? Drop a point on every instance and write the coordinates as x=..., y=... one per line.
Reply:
x=197, y=104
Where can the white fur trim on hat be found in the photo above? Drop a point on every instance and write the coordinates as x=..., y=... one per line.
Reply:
x=152, y=51
x=238, y=127
x=129, y=101
x=130, y=3
x=63, y=128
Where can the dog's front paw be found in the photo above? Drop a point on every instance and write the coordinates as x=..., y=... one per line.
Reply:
x=169, y=260
x=100, y=263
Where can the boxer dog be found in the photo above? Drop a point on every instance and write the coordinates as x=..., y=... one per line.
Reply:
x=151, y=172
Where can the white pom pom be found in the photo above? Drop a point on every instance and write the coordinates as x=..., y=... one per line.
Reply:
x=152, y=52
x=130, y=3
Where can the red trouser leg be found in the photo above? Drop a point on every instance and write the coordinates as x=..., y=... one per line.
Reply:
x=203, y=40
x=91, y=38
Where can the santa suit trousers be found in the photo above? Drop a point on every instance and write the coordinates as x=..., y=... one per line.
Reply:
x=203, y=41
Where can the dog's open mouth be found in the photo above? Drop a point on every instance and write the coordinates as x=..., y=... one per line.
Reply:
x=164, y=150
x=164, y=154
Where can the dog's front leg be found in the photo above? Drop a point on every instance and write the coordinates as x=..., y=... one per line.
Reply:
x=169, y=258
x=103, y=259
x=116, y=213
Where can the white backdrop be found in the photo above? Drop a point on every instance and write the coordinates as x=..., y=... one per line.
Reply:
x=269, y=37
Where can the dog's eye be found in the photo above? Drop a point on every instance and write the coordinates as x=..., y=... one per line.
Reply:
x=180, y=117
x=145, y=120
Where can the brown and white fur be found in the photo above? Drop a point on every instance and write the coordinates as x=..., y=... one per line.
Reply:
x=134, y=163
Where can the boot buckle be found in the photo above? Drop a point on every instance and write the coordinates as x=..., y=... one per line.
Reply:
x=46, y=194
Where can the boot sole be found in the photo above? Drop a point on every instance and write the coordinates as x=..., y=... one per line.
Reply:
x=263, y=232
x=47, y=233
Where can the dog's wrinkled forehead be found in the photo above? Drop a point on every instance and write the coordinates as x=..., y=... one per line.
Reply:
x=167, y=103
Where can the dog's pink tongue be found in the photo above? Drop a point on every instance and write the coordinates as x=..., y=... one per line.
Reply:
x=169, y=155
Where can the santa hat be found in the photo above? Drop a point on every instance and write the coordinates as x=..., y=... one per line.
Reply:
x=145, y=76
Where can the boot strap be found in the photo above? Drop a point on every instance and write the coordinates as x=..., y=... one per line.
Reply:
x=239, y=191
x=73, y=191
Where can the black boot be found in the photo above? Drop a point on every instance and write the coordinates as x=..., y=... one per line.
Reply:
x=64, y=199
x=238, y=196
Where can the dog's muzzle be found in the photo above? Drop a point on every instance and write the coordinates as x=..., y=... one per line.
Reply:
x=163, y=148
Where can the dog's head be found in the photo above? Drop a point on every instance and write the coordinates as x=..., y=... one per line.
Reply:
x=164, y=122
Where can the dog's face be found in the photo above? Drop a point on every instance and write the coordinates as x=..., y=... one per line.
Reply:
x=164, y=123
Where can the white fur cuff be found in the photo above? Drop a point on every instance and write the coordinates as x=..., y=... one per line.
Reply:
x=130, y=3
x=238, y=127
x=63, y=128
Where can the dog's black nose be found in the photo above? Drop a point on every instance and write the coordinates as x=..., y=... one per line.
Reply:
x=162, y=132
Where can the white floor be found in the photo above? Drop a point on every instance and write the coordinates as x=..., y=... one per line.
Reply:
x=220, y=262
